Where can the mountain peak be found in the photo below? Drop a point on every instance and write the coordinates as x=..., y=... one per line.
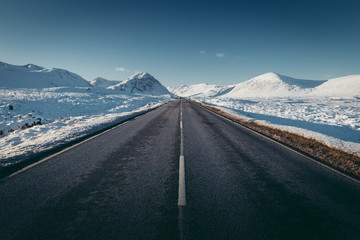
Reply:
x=142, y=75
x=196, y=90
x=31, y=66
x=141, y=83
x=272, y=85
x=103, y=83
x=269, y=74
x=269, y=77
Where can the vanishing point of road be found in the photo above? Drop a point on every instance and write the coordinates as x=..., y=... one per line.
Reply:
x=179, y=172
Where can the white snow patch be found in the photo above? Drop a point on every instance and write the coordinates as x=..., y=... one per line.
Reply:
x=103, y=83
x=65, y=114
x=32, y=76
x=43, y=108
x=272, y=85
x=196, y=91
x=348, y=86
x=141, y=83
x=335, y=121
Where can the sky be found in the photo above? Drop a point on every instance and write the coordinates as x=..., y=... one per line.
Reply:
x=184, y=42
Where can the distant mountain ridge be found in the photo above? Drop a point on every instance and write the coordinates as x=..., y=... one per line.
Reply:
x=266, y=85
x=196, y=90
x=347, y=86
x=141, y=83
x=33, y=76
x=272, y=84
x=103, y=83
x=276, y=85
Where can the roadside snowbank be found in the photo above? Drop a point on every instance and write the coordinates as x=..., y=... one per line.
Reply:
x=335, y=121
x=60, y=115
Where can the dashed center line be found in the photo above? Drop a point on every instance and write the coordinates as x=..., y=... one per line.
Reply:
x=182, y=190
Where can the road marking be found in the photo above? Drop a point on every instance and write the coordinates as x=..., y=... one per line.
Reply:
x=182, y=190
x=75, y=145
x=289, y=148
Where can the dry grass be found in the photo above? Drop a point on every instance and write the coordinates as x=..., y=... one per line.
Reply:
x=342, y=160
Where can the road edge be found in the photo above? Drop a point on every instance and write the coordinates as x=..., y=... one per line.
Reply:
x=43, y=156
x=293, y=149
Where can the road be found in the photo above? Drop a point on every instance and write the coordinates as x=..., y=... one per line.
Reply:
x=123, y=184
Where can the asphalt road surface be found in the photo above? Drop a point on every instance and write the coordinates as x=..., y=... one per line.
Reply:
x=124, y=184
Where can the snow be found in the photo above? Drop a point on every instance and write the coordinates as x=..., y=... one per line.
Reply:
x=196, y=90
x=335, y=121
x=224, y=90
x=327, y=110
x=44, y=108
x=32, y=76
x=345, y=86
x=103, y=83
x=65, y=114
x=141, y=83
x=272, y=85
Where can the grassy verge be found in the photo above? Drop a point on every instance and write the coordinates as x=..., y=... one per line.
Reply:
x=342, y=160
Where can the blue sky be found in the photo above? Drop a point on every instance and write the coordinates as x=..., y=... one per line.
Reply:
x=184, y=42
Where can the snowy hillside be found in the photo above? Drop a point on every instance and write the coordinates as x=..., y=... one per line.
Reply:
x=335, y=121
x=326, y=110
x=43, y=108
x=32, y=76
x=103, y=83
x=272, y=85
x=34, y=120
x=348, y=86
x=224, y=90
x=196, y=90
x=141, y=83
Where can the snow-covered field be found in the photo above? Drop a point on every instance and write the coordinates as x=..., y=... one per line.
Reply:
x=64, y=113
x=43, y=108
x=328, y=110
x=334, y=120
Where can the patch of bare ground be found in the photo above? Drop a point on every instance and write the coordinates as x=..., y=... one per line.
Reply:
x=342, y=160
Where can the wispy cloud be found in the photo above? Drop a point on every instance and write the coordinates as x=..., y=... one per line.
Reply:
x=202, y=52
x=238, y=58
x=121, y=69
x=220, y=55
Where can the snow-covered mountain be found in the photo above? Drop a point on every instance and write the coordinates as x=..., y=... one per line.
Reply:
x=224, y=90
x=272, y=85
x=141, y=83
x=32, y=76
x=103, y=83
x=344, y=87
x=196, y=90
